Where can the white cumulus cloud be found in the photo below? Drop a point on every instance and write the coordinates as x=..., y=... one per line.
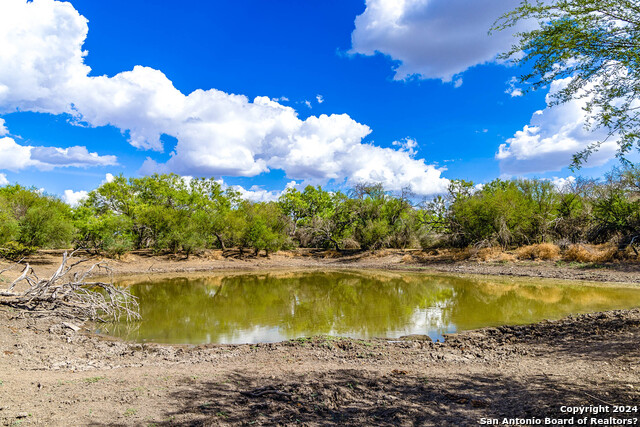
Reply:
x=258, y=194
x=408, y=145
x=40, y=58
x=73, y=198
x=42, y=69
x=552, y=137
x=512, y=89
x=14, y=156
x=433, y=39
x=563, y=183
x=73, y=156
x=3, y=179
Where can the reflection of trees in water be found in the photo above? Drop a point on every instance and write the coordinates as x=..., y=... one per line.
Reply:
x=481, y=303
x=278, y=306
x=298, y=305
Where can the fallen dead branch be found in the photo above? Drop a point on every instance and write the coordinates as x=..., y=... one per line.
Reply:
x=69, y=291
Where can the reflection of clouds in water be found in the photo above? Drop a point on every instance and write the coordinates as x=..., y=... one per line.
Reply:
x=254, y=335
x=294, y=304
x=432, y=321
x=431, y=317
x=429, y=321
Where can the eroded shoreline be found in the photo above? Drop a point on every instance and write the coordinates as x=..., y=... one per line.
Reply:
x=144, y=263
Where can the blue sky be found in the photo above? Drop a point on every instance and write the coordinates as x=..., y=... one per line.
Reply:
x=407, y=93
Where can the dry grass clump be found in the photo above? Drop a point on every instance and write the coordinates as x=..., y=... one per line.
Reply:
x=331, y=253
x=407, y=258
x=454, y=254
x=629, y=255
x=213, y=255
x=494, y=254
x=381, y=253
x=424, y=256
x=504, y=257
x=441, y=254
x=286, y=254
x=542, y=251
x=426, y=253
x=126, y=257
x=304, y=252
x=578, y=253
x=591, y=253
x=487, y=254
x=461, y=254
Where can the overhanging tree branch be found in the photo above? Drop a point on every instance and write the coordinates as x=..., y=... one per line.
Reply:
x=594, y=43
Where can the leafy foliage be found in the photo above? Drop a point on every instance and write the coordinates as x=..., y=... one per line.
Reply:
x=32, y=219
x=167, y=213
x=15, y=251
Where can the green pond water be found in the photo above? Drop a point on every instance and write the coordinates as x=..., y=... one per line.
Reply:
x=252, y=308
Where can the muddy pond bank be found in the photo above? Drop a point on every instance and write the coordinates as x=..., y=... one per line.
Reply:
x=53, y=375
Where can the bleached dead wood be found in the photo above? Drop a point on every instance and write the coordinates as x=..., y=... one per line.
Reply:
x=70, y=291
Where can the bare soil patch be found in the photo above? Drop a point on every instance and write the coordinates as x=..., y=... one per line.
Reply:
x=52, y=375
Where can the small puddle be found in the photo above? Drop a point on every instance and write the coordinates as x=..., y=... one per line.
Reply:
x=252, y=308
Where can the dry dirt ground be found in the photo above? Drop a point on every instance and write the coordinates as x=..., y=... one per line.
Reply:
x=51, y=375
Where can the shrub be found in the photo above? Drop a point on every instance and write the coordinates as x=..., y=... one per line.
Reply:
x=488, y=254
x=431, y=240
x=15, y=251
x=34, y=219
x=349, y=243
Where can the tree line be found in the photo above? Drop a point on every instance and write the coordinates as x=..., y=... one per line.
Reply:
x=167, y=213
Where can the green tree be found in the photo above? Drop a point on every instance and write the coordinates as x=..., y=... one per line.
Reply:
x=573, y=212
x=616, y=208
x=266, y=229
x=402, y=218
x=163, y=212
x=109, y=232
x=382, y=220
x=516, y=212
x=596, y=45
x=9, y=226
x=43, y=220
x=319, y=218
